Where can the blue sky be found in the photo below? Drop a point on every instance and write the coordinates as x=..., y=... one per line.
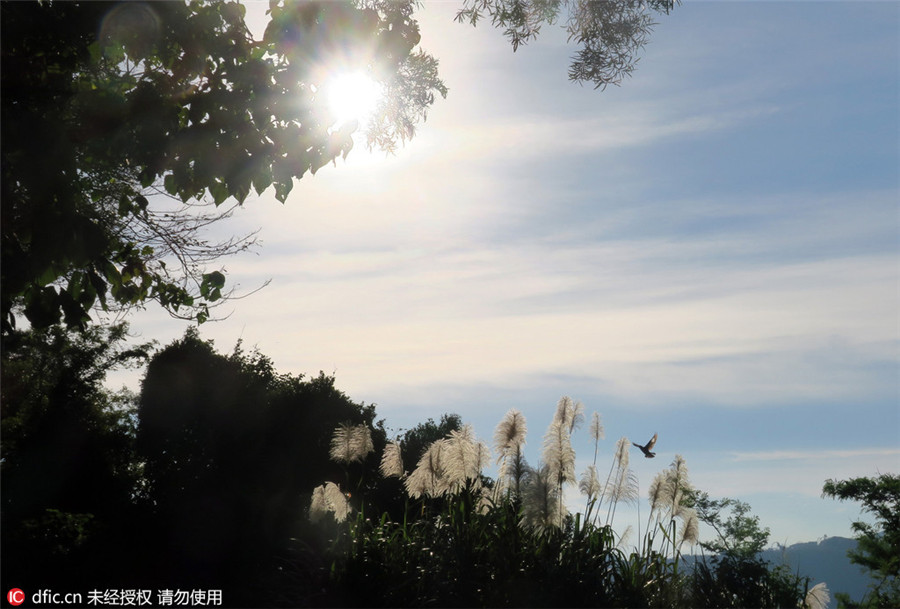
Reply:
x=709, y=251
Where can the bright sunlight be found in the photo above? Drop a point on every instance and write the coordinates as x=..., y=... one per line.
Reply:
x=352, y=95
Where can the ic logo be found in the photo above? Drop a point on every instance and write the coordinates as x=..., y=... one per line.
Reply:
x=15, y=596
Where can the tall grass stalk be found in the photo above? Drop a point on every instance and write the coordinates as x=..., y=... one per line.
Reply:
x=509, y=439
x=621, y=445
x=590, y=486
x=463, y=459
x=559, y=456
x=541, y=503
x=624, y=483
x=590, y=483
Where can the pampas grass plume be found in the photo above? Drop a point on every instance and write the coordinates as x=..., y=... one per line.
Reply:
x=351, y=443
x=690, y=531
x=558, y=454
x=676, y=483
x=626, y=537
x=624, y=487
x=318, y=507
x=328, y=498
x=510, y=434
x=590, y=484
x=428, y=477
x=621, y=457
x=569, y=413
x=818, y=597
x=337, y=501
x=659, y=492
x=541, y=505
x=597, y=431
x=391, y=461
x=463, y=457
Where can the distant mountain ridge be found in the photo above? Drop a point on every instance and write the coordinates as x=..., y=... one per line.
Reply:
x=824, y=560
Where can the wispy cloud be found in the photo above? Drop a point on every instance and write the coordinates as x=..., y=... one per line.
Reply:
x=538, y=136
x=733, y=315
x=817, y=455
x=768, y=472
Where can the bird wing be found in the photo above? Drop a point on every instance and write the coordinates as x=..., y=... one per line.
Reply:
x=652, y=442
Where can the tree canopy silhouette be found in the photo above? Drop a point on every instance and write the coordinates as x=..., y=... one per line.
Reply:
x=105, y=104
x=68, y=458
x=232, y=452
x=879, y=543
x=737, y=575
x=609, y=33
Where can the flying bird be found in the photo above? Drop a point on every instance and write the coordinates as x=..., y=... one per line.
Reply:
x=646, y=448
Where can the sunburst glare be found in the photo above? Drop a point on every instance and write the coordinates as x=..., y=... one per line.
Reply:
x=352, y=96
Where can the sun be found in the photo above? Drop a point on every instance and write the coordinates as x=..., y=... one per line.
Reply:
x=352, y=96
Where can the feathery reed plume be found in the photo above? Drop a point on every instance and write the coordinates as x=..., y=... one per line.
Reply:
x=657, y=493
x=336, y=501
x=328, y=498
x=669, y=488
x=577, y=417
x=622, y=458
x=457, y=455
x=624, y=483
x=590, y=484
x=317, y=506
x=510, y=434
x=542, y=508
x=513, y=472
x=569, y=413
x=509, y=438
x=418, y=483
x=564, y=407
x=391, y=461
x=482, y=458
x=558, y=454
x=624, y=487
x=597, y=433
x=351, y=443
x=677, y=482
x=659, y=499
x=818, y=597
x=626, y=535
x=463, y=458
x=621, y=453
x=679, y=469
x=428, y=477
x=690, y=530
x=596, y=429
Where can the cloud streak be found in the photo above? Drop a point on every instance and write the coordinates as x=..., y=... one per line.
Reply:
x=817, y=455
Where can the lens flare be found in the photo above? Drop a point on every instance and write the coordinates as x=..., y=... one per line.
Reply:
x=352, y=96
